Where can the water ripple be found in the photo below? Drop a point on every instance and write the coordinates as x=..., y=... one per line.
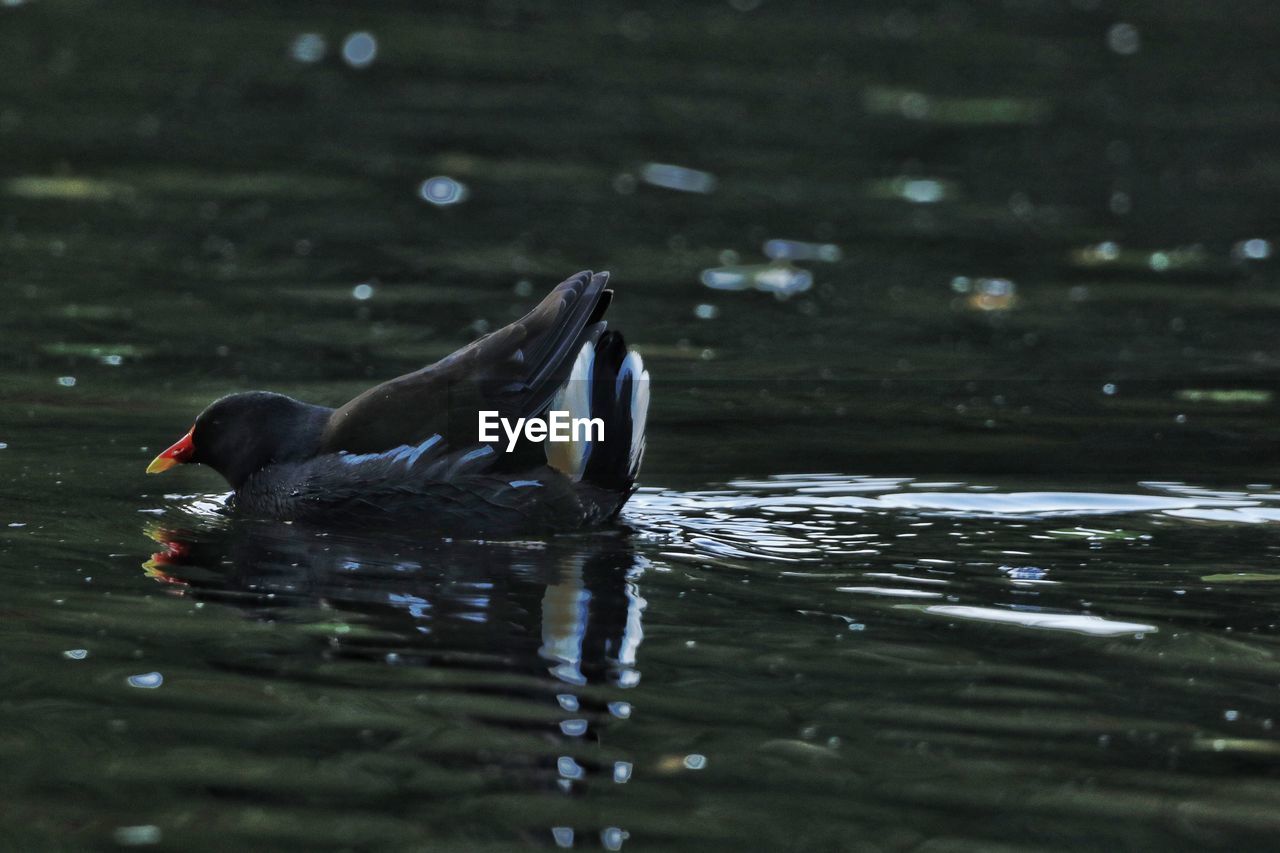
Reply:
x=813, y=517
x=1073, y=622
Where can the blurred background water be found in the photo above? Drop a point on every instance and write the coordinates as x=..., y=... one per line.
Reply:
x=955, y=532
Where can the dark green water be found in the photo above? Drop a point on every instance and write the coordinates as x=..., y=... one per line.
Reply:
x=966, y=546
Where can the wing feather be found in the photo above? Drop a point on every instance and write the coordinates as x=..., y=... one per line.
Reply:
x=514, y=370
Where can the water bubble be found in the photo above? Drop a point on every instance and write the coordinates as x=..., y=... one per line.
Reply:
x=524, y=287
x=990, y=294
x=1124, y=39
x=137, y=836
x=922, y=191
x=695, y=761
x=3, y=445
x=76, y=654
x=1159, y=261
x=1180, y=419
x=563, y=836
x=360, y=49
x=569, y=768
x=611, y=838
x=146, y=680
x=1230, y=716
x=1109, y=389
x=1098, y=254
x=914, y=190
x=797, y=250
x=784, y=281
x=67, y=381
x=573, y=728
x=112, y=360
x=362, y=292
x=726, y=278
x=442, y=190
x=678, y=178
x=706, y=312
x=1255, y=249
x=621, y=710
x=308, y=48
x=622, y=772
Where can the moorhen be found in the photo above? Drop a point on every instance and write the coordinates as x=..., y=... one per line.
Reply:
x=411, y=454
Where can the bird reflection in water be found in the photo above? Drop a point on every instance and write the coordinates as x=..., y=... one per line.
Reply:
x=564, y=613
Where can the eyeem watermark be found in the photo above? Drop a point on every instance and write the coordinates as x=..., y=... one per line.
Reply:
x=557, y=426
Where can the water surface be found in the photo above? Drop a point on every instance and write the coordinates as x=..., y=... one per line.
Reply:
x=957, y=522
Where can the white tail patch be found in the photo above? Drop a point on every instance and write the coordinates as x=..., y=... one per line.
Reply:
x=574, y=397
x=633, y=367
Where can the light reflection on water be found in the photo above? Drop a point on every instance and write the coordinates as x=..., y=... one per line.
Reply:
x=989, y=632
x=522, y=628
x=902, y=540
x=308, y=201
x=429, y=590
x=861, y=526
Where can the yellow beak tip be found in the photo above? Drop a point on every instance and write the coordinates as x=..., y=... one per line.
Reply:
x=160, y=464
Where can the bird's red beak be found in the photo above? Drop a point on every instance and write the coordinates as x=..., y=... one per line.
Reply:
x=182, y=451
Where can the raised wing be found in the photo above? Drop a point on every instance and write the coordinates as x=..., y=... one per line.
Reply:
x=514, y=370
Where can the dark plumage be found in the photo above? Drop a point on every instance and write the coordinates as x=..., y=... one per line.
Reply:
x=406, y=453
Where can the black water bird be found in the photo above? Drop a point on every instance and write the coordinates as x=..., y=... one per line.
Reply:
x=408, y=453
